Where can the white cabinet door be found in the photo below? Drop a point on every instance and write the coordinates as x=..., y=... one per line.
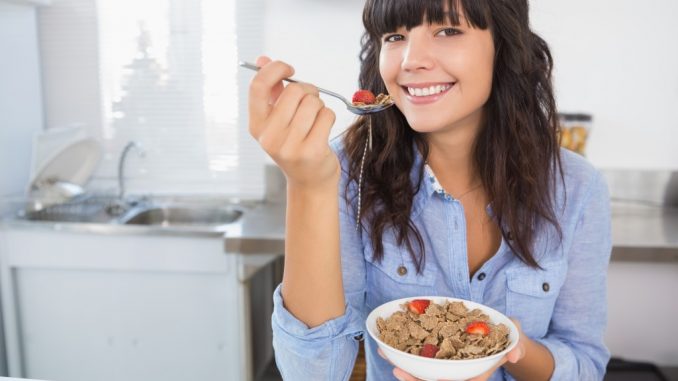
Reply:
x=105, y=307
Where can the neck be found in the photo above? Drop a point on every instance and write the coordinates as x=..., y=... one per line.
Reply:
x=451, y=155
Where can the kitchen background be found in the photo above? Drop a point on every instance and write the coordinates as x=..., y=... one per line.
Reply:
x=163, y=74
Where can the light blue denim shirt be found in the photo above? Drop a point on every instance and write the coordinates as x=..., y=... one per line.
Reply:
x=563, y=306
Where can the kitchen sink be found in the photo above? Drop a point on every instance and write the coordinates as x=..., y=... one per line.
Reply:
x=182, y=216
x=80, y=210
x=189, y=215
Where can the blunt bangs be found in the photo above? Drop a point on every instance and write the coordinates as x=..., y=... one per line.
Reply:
x=386, y=16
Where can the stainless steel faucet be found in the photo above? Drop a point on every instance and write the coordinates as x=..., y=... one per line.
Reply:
x=132, y=145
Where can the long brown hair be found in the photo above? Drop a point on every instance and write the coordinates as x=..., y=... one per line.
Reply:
x=516, y=152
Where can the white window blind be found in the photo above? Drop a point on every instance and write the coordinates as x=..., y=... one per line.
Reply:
x=162, y=73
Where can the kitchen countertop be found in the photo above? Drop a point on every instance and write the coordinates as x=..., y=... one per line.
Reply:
x=643, y=232
x=639, y=232
x=260, y=231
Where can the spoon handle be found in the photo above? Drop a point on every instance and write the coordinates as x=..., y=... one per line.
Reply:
x=251, y=66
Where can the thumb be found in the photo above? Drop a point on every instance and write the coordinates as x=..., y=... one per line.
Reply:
x=515, y=355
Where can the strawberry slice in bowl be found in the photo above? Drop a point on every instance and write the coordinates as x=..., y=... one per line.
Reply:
x=429, y=350
x=418, y=306
x=478, y=328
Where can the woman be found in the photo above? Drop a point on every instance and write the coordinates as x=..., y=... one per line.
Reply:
x=463, y=192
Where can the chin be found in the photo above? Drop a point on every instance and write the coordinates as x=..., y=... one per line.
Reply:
x=425, y=125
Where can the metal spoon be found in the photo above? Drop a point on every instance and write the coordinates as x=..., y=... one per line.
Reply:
x=359, y=110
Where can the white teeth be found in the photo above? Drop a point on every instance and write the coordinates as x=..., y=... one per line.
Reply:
x=432, y=90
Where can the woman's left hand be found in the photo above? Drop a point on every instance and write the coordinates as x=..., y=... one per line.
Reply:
x=515, y=355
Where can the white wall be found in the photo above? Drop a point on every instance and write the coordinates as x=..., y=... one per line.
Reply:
x=618, y=59
x=321, y=39
x=20, y=95
x=615, y=59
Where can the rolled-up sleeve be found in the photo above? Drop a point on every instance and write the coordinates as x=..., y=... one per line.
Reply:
x=328, y=351
x=576, y=333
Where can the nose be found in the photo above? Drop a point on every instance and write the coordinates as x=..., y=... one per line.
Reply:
x=418, y=54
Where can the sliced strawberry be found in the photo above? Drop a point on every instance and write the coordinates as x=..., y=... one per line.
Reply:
x=478, y=328
x=364, y=96
x=428, y=350
x=418, y=306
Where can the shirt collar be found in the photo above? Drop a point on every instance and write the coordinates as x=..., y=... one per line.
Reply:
x=427, y=187
x=430, y=186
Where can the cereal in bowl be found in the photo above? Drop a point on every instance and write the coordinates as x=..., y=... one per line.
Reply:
x=448, y=331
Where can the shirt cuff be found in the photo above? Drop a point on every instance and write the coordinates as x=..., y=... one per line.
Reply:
x=284, y=322
x=564, y=361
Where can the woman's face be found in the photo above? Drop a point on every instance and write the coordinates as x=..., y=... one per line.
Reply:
x=439, y=75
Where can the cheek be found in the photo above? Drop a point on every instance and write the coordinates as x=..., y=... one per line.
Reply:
x=388, y=68
x=486, y=71
x=478, y=75
x=485, y=79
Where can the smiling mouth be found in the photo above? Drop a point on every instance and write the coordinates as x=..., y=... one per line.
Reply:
x=429, y=91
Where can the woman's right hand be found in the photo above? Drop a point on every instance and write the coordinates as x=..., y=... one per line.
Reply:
x=292, y=124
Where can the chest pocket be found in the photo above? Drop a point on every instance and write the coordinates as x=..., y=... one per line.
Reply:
x=395, y=276
x=531, y=295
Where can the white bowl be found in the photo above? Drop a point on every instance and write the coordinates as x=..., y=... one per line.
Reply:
x=432, y=369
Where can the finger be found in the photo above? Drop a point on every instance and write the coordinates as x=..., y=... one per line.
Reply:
x=261, y=90
x=308, y=88
x=403, y=376
x=516, y=354
x=288, y=103
x=320, y=132
x=517, y=323
x=274, y=132
x=298, y=101
x=486, y=376
x=278, y=87
x=305, y=117
x=262, y=61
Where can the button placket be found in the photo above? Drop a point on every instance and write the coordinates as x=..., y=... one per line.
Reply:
x=467, y=289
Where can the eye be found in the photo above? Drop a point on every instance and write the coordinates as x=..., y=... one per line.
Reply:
x=394, y=38
x=449, y=32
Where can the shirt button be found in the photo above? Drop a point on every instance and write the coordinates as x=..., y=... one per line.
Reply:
x=402, y=270
x=545, y=287
x=481, y=276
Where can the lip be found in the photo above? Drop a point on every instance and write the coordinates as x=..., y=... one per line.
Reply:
x=428, y=98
